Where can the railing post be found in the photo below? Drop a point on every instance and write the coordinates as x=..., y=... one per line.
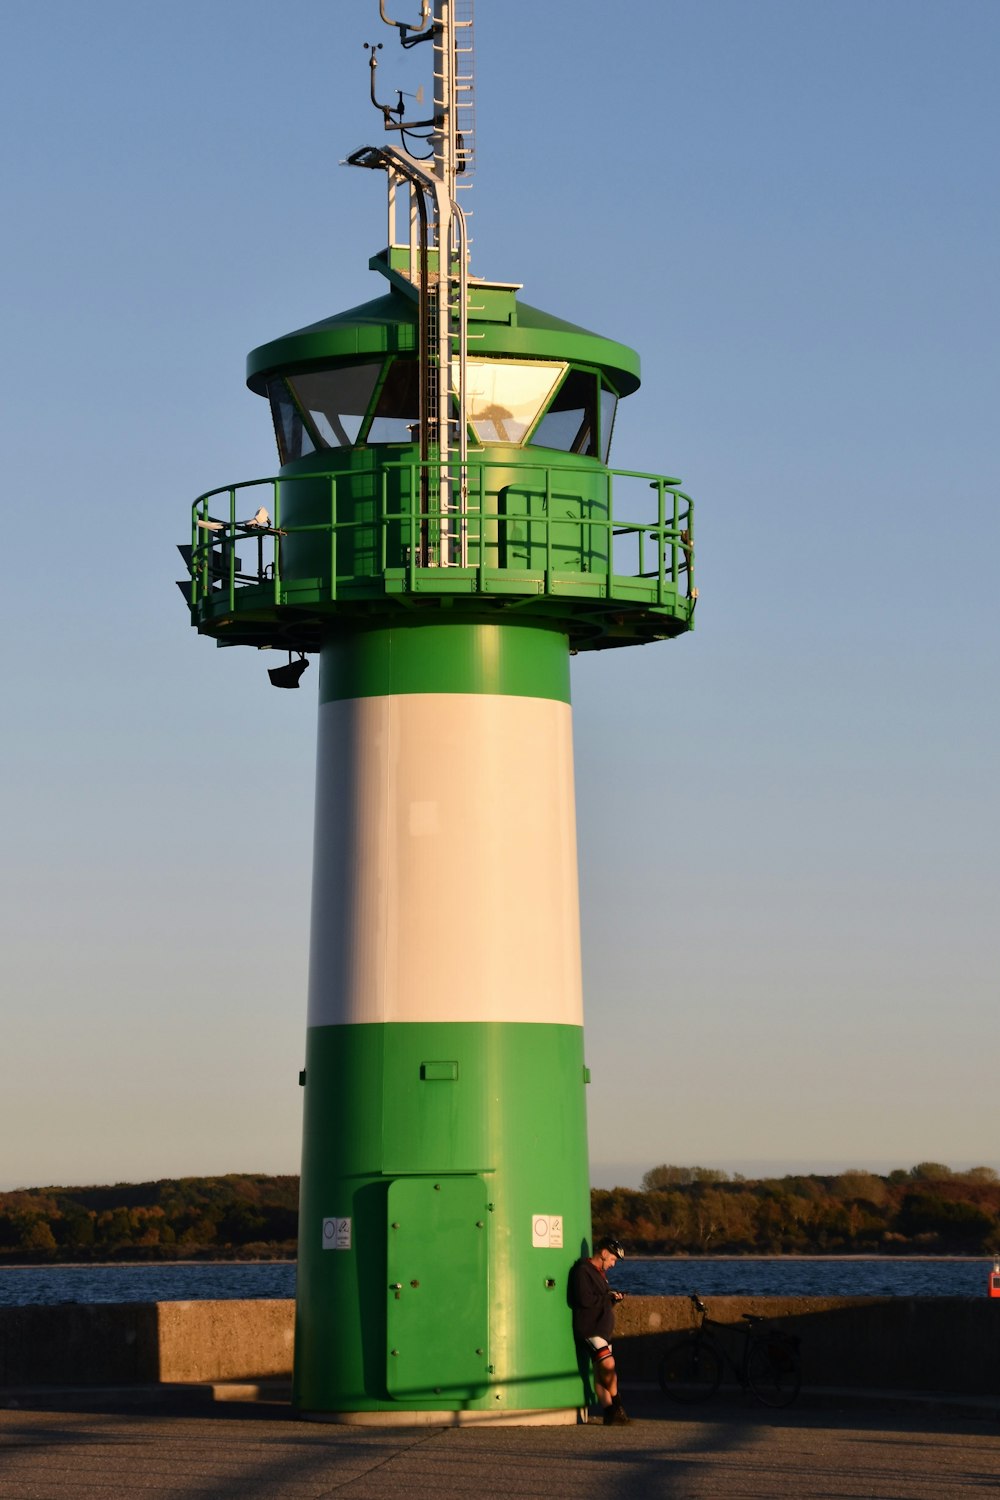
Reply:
x=483, y=527
x=333, y=536
x=689, y=548
x=675, y=576
x=276, y=565
x=661, y=549
x=232, y=548
x=609, y=550
x=383, y=530
x=196, y=564
x=418, y=484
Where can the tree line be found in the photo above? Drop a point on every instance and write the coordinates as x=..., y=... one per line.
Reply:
x=926, y=1209
x=238, y=1216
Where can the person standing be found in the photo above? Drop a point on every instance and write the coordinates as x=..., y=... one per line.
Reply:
x=593, y=1302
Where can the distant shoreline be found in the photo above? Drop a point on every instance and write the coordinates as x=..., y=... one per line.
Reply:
x=808, y=1255
x=284, y=1260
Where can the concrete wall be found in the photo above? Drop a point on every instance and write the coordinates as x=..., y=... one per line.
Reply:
x=144, y=1343
x=946, y=1344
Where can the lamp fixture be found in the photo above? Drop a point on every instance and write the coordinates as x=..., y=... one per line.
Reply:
x=288, y=675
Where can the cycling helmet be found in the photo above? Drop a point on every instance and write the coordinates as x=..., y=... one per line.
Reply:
x=614, y=1247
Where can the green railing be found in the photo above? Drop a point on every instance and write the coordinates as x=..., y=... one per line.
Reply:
x=530, y=529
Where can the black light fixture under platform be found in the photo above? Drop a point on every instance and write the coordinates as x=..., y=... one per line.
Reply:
x=288, y=675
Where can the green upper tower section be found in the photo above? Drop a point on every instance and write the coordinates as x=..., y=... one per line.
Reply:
x=445, y=448
x=367, y=521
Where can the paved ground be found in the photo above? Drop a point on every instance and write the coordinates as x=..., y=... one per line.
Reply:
x=734, y=1450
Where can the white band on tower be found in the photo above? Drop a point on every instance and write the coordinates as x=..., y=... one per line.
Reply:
x=445, y=886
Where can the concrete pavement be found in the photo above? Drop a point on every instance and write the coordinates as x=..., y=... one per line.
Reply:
x=733, y=1449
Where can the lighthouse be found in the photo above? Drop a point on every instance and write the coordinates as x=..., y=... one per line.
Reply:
x=443, y=533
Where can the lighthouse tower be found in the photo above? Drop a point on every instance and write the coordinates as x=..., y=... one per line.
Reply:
x=444, y=533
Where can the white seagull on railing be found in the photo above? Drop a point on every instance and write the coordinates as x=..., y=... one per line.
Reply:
x=260, y=519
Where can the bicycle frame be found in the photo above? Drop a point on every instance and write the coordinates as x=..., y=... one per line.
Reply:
x=739, y=1369
x=768, y=1364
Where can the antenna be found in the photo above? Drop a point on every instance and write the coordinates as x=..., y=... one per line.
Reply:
x=421, y=27
x=437, y=222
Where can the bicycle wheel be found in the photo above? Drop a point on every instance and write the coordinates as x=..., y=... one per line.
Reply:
x=773, y=1371
x=690, y=1371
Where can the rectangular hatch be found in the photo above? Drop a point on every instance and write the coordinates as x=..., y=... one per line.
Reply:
x=438, y=1295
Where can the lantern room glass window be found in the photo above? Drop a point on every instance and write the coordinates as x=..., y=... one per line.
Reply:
x=378, y=402
x=294, y=440
x=504, y=397
x=336, y=401
x=330, y=408
x=609, y=406
x=581, y=419
x=570, y=424
x=397, y=412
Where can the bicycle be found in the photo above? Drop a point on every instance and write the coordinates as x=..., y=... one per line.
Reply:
x=693, y=1367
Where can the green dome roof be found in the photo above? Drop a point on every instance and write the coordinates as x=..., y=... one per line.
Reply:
x=504, y=328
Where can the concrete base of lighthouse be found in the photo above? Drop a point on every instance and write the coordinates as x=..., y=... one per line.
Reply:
x=540, y=1417
x=445, y=1189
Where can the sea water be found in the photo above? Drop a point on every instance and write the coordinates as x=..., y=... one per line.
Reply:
x=711, y=1276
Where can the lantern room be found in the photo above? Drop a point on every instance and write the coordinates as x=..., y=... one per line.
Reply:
x=366, y=518
x=353, y=381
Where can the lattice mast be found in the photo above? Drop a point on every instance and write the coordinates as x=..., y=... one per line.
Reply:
x=439, y=245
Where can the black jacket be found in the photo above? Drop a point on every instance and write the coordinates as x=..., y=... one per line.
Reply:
x=592, y=1301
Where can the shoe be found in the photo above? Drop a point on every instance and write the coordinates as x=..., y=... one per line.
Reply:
x=615, y=1416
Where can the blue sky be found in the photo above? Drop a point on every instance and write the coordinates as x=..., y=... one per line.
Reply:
x=787, y=820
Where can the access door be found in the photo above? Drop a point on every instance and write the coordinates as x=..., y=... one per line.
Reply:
x=437, y=1322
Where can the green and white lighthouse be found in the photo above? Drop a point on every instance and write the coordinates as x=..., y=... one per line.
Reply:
x=444, y=533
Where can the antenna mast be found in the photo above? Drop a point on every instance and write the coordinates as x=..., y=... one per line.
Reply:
x=437, y=222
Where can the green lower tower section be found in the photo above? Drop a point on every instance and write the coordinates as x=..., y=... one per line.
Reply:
x=457, y=1154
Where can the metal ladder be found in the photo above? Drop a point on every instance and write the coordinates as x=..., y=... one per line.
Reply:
x=436, y=219
x=454, y=156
